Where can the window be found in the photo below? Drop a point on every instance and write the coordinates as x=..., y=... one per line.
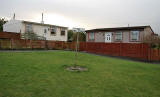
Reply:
x=118, y=36
x=53, y=31
x=29, y=28
x=134, y=35
x=91, y=36
x=62, y=32
x=45, y=31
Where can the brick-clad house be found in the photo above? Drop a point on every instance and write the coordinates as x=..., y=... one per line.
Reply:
x=134, y=34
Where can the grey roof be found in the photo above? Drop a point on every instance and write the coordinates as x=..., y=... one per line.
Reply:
x=118, y=28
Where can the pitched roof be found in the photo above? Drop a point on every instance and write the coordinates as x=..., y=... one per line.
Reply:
x=42, y=24
x=119, y=28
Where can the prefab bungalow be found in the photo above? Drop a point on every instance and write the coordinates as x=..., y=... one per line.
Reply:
x=134, y=34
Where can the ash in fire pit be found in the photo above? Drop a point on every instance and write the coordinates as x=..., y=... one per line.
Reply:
x=77, y=68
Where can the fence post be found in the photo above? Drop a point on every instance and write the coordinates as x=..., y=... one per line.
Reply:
x=149, y=54
x=62, y=45
x=159, y=54
x=26, y=43
x=46, y=45
x=11, y=43
x=120, y=47
x=31, y=44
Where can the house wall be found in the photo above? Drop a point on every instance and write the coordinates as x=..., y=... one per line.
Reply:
x=87, y=35
x=58, y=36
x=13, y=26
x=39, y=30
x=125, y=37
x=148, y=31
x=18, y=26
x=100, y=36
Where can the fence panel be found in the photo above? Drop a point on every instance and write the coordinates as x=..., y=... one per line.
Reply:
x=5, y=44
x=155, y=54
x=9, y=35
x=132, y=50
x=38, y=44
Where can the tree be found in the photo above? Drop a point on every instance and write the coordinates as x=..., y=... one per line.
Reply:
x=70, y=35
x=82, y=36
x=32, y=36
x=2, y=21
x=153, y=41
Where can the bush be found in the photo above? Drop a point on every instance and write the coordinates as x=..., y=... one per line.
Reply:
x=153, y=41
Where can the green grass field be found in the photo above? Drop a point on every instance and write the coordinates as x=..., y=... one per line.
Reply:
x=42, y=74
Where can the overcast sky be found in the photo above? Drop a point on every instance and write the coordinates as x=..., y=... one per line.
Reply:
x=86, y=13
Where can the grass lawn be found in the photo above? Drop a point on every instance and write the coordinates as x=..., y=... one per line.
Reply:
x=42, y=74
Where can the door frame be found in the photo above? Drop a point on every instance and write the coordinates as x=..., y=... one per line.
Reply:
x=109, y=41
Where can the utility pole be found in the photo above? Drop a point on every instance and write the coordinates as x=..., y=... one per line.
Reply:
x=42, y=19
x=14, y=16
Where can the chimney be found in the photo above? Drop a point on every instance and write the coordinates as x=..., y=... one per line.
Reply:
x=42, y=19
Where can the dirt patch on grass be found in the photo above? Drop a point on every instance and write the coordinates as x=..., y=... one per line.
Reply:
x=76, y=68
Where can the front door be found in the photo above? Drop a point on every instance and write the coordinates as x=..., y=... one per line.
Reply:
x=108, y=37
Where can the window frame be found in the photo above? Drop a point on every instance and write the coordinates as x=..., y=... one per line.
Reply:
x=89, y=36
x=121, y=35
x=45, y=31
x=137, y=37
x=63, y=32
x=53, y=31
x=29, y=28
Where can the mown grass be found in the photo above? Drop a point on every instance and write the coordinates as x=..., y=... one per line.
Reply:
x=42, y=74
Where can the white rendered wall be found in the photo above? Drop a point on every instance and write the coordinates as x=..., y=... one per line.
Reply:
x=58, y=36
x=18, y=27
x=13, y=26
x=39, y=30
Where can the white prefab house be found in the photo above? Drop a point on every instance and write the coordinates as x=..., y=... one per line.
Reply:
x=50, y=32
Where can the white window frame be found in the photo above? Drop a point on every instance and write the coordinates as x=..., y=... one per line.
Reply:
x=134, y=38
x=29, y=28
x=118, y=36
x=91, y=35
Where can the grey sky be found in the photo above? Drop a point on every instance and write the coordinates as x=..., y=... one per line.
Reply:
x=86, y=13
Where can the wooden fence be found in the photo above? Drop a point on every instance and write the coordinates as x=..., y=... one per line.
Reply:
x=35, y=44
x=132, y=50
x=9, y=35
